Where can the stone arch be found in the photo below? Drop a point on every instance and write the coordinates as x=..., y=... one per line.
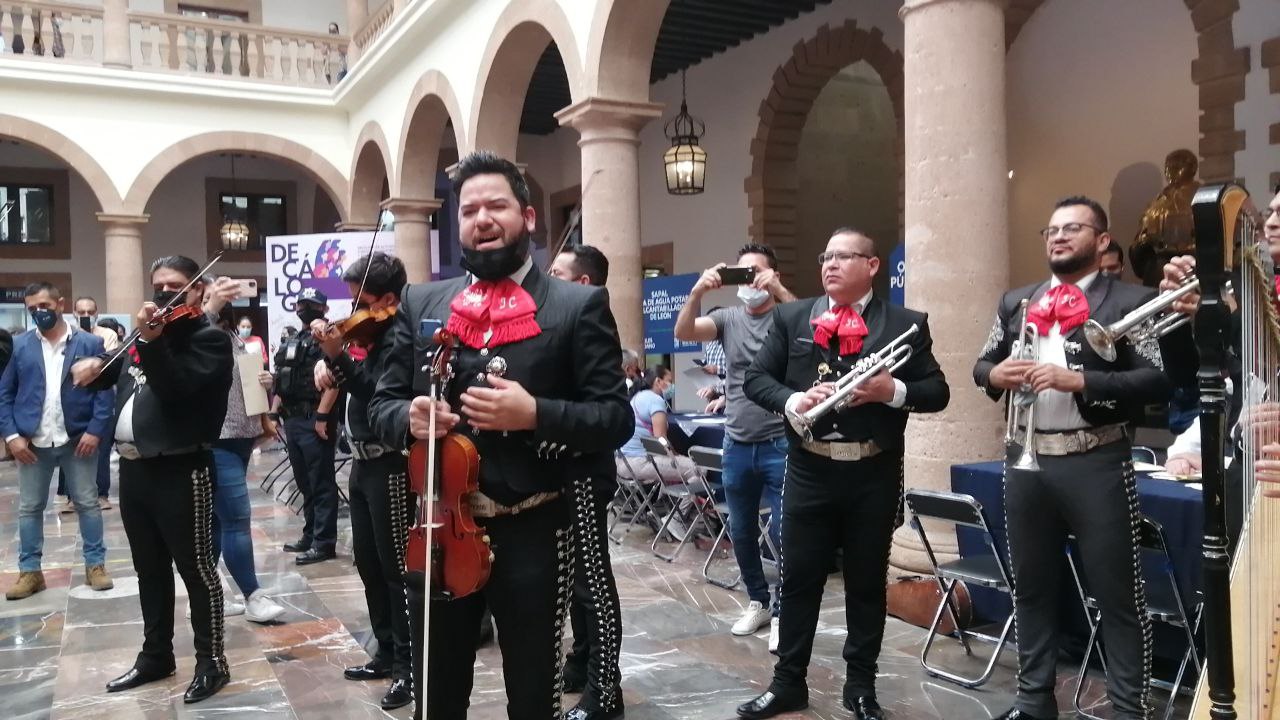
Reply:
x=66, y=150
x=620, y=48
x=773, y=184
x=1218, y=72
x=520, y=35
x=277, y=148
x=369, y=168
x=432, y=106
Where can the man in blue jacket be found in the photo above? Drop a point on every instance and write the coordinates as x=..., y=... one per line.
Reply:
x=48, y=422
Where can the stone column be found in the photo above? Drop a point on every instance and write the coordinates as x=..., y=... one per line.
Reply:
x=117, y=51
x=413, y=234
x=354, y=227
x=357, y=15
x=610, y=142
x=126, y=272
x=956, y=220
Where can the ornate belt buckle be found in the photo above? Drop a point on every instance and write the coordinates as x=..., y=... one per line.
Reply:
x=845, y=451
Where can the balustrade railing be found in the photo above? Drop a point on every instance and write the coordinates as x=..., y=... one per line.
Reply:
x=51, y=30
x=375, y=25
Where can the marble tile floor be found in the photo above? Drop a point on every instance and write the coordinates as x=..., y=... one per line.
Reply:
x=679, y=661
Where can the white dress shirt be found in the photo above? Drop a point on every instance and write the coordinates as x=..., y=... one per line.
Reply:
x=1057, y=410
x=53, y=427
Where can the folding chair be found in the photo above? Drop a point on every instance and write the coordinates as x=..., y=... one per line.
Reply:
x=988, y=570
x=633, y=496
x=709, y=460
x=681, y=494
x=1165, y=604
x=1143, y=454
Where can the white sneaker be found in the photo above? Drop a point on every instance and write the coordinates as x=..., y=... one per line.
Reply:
x=753, y=618
x=230, y=608
x=261, y=609
x=773, y=636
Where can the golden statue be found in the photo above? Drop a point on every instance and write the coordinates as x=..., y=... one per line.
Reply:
x=1166, y=228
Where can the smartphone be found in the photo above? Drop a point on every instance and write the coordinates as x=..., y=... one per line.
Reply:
x=700, y=362
x=248, y=288
x=737, y=275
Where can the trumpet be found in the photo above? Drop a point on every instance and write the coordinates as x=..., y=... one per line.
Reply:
x=1150, y=321
x=1022, y=402
x=890, y=357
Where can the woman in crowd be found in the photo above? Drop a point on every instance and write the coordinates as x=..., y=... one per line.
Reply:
x=649, y=397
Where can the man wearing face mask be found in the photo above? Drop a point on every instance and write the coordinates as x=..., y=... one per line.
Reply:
x=47, y=422
x=86, y=312
x=539, y=390
x=310, y=432
x=755, y=443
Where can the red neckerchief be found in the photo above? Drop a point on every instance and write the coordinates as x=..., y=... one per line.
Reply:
x=843, y=322
x=1065, y=305
x=500, y=305
x=357, y=353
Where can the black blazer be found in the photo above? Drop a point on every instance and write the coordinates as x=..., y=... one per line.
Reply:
x=573, y=368
x=181, y=382
x=358, y=380
x=788, y=362
x=1114, y=392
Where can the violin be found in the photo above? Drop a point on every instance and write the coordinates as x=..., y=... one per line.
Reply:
x=364, y=326
x=167, y=317
x=443, y=473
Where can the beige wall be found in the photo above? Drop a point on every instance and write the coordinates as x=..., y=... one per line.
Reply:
x=1099, y=92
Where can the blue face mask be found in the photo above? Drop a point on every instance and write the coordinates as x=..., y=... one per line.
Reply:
x=669, y=394
x=44, y=318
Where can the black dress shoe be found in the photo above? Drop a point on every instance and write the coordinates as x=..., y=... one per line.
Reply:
x=368, y=671
x=770, y=704
x=864, y=707
x=398, y=695
x=314, y=555
x=1016, y=714
x=575, y=678
x=580, y=713
x=136, y=677
x=205, y=685
x=297, y=546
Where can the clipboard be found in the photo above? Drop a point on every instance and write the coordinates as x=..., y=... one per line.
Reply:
x=249, y=364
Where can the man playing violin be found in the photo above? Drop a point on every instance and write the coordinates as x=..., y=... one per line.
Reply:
x=170, y=406
x=378, y=492
x=538, y=386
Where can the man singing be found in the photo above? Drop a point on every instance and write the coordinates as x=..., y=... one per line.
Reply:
x=170, y=407
x=1085, y=485
x=844, y=477
x=538, y=385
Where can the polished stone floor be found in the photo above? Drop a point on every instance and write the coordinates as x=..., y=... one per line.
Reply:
x=679, y=660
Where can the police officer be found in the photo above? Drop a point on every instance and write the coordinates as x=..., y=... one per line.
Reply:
x=310, y=432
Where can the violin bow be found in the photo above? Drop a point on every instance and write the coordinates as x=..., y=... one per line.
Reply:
x=575, y=221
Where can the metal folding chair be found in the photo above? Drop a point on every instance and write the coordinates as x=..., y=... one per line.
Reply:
x=684, y=493
x=988, y=570
x=633, y=497
x=1165, y=604
x=707, y=461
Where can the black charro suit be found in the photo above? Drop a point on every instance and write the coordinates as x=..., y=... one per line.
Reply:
x=854, y=505
x=572, y=369
x=1091, y=494
x=177, y=397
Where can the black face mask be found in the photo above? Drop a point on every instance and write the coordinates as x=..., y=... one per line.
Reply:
x=496, y=264
x=86, y=322
x=164, y=297
x=309, y=315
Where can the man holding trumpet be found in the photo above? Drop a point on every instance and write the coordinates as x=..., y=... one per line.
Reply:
x=844, y=465
x=1068, y=469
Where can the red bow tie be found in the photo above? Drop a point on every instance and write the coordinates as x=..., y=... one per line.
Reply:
x=843, y=322
x=500, y=305
x=1065, y=305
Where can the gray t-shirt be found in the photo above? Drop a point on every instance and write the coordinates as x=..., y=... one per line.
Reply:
x=742, y=334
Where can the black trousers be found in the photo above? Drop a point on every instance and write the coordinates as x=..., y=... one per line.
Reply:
x=166, y=504
x=379, y=528
x=311, y=459
x=830, y=504
x=1094, y=496
x=595, y=611
x=528, y=592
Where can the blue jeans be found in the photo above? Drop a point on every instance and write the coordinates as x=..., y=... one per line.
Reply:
x=753, y=473
x=231, y=511
x=33, y=495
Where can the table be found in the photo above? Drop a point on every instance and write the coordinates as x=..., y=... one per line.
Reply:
x=687, y=430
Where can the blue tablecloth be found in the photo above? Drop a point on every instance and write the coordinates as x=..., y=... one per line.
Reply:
x=1177, y=507
x=687, y=430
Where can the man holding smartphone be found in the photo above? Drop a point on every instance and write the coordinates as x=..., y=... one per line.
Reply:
x=755, y=444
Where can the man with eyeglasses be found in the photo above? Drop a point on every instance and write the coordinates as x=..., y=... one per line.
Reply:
x=844, y=475
x=1085, y=482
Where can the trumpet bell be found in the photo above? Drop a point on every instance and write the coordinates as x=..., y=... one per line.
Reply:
x=1100, y=340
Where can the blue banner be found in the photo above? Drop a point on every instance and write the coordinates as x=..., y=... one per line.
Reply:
x=898, y=275
x=661, y=301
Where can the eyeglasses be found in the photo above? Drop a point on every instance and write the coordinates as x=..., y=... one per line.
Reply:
x=844, y=257
x=1068, y=230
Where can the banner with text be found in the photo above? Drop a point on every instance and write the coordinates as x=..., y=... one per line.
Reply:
x=662, y=299
x=898, y=275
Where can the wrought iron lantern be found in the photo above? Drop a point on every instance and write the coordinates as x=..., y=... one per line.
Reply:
x=685, y=161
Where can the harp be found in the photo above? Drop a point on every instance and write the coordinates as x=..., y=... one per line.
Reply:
x=1241, y=589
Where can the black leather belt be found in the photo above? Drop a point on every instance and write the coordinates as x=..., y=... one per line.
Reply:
x=129, y=451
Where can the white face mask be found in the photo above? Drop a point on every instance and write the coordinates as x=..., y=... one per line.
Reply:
x=752, y=297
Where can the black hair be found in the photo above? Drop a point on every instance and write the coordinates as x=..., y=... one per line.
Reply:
x=648, y=378
x=85, y=297
x=38, y=287
x=589, y=261
x=111, y=324
x=386, y=274
x=1099, y=214
x=1114, y=248
x=180, y=263
x=850, y=230
x=484, y=162
x=760, y=249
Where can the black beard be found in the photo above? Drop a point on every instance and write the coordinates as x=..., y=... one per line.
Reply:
x=500, y=263
x=1069, y=265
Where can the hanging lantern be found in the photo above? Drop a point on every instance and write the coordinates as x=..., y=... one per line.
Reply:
x=685, y=161
x=234, y=233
